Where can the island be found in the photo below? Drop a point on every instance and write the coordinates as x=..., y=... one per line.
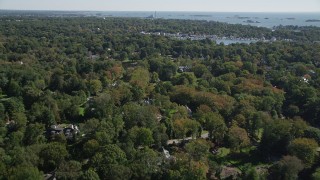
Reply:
x=313, y=20
x=251, y=21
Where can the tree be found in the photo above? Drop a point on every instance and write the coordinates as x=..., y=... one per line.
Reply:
x=14, y=105
x=26, y=173
x=192, y=127
x=199, y=70
x=305, y=149
x=237, y=138
x=167, y=71
x=287, y=168
x=184, y=126
x=179, y=128
x=144, y=164
x=214, y=123
x=267, y=103
x=89, y=175
x=34, y=134
x=198, y=149
x=141, y=116
x=105, y=134
x=187, y=78
x=239, y=120
x=316, y=174
x=91, y=125
x=185, y=168
x=110, y=157
x=299, y=127
x=313, y=133
x=15, y=139
x=20, y=121
x=141, y=136
x=101, y=107
x=95, y=86
x=140, y=77
x=69, y=170
x=275, y=138
x=249, y=172
x=14, y=89
x=90, y=147
x=52, y=155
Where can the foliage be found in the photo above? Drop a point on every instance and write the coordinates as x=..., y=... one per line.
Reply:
x=237, y=138
x=287, y=168
x=305, y=149
x=129, y=92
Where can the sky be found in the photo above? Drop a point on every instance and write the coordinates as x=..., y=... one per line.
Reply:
x=166, y=5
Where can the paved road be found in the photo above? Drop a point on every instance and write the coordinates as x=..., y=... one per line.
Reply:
x=177, y=141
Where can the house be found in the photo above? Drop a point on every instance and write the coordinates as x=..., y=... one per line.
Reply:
x=189, y=110
x=166, y=153
x=306, y=78
x=50, y=176
x=183, y=68
x=68, y=130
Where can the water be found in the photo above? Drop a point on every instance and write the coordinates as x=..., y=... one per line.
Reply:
x=268, y=20
x=231, y=41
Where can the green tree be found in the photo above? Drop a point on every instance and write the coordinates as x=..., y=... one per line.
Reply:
x=287, y=168
x=26, y=173
x=144, y=164
x=14, y=139
x=237, y=138
x=52, y=155
x=305, y=149
x=34, y=134
x=214, y=123
x=299, y=127
x=141, y=136
x=89, y=175
x=198, y=149
x=110, y=157
x=141, y=116
x=276, y=137
x=95, y=86
x=199, y=70
x=90, y=147
x=20, y=120
x=316, y=174
x=313, y=133
x=182, y=127
x=91, y=125
x=14, y=89
x=69, y=170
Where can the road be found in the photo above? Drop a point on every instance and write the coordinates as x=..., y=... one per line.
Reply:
x=177, y=141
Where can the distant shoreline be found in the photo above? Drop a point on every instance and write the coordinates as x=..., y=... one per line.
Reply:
x=259, y=19
x=48, y=10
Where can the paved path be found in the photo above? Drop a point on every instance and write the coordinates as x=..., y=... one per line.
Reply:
x=177, y=141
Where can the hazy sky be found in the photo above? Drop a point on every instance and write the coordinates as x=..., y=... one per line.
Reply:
x=167, y=5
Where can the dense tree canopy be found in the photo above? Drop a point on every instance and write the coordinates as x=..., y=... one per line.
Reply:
x=95, y=98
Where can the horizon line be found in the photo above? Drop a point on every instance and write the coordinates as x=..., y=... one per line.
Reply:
x=73, y=10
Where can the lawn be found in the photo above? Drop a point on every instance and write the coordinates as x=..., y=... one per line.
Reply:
x=81, y=111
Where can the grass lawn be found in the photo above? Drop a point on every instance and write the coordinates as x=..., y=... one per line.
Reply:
x=223, y=152
x=204, y=132
x=81, y=111
x=260, y=132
